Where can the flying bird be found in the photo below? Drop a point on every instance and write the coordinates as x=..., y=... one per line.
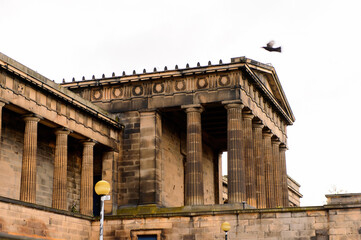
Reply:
x=270, y=47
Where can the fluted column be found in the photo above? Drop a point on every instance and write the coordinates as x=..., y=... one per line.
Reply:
x=267, y=154
x=277, y=180
x=59, y=200
x=28, y=169
x=249, y=160
x=259, y=165
x=86, y=181
x=194, y=169
x=285, y=197
x=236, y=163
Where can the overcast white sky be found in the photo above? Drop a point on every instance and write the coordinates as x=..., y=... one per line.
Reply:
x=318, y=69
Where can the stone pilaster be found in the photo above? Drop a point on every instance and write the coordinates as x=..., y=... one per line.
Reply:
x=277, y=180
x=236, y=163
x=285, y=197
x=59, y=200
x=150, y=157
x=108, y=162
x=268, y=159
x=194, y=169
x=28, y=169
x=259, y=165
x=86, y=181
x=249, y=160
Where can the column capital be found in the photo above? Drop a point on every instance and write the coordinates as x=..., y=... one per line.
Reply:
x=232, y=104
x=257, y=125
x=248, y=115
x=283, y=147
x=276, y=141
x=267, y=133
x=32, y=117
x=62, y=130
x=192, y=108
x=88, y=142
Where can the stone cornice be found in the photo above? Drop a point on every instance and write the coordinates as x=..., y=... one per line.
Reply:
x=55, y=89
x=242, y=63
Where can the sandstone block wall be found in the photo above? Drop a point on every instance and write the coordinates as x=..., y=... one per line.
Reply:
x=317, y=223
x=17, y=220
x=11, y=159
x=152, y=166
x=196, y=223
x=11, y=155
x=174, y=156
x=129, y=166
x=209, y=174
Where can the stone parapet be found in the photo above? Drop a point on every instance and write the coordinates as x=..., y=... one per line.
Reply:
x=345, y=198
x=26, y=220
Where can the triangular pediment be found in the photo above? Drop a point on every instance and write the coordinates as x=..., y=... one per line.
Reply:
x=268, y=78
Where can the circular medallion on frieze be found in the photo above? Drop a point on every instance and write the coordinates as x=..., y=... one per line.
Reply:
x=180, y=85
x=202, y=83
x=97, y=94
x=117, y=92
x=137, y=90
x=158, y=87
x=224, y=81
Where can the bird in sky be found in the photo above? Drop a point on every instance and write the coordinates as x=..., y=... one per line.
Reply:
x=270, y=47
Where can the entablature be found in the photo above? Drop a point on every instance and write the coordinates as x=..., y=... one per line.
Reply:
x=26, y=94
x=201, y=84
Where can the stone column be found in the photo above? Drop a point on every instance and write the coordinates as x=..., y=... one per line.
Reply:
x=277, y=180
x=285, y=197
x=267, y=146
x=259, y=165
x=86, y=181
x=219, y=181
x=194, y=169
x=28, y=169
x=249, y=160
x=236, y=163
x=59, y=200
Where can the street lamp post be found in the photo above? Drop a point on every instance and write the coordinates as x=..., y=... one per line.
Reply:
x=102, y=188
x=226, y=227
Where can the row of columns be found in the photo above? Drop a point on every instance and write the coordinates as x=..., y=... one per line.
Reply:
x=256, y=160
x=28, y=170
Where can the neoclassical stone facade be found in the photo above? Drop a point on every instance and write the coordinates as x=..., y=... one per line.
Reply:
x=237, y=107
x=46, y=131
x=157, y=138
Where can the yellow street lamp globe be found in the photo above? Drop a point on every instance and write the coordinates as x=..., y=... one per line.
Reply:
x=226, y=226
x=102, y=187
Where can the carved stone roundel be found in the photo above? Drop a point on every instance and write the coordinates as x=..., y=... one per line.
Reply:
x=117, y=92
x=158, y=87
x=97, y=94
x=180, y=85
x=137, y=90
x=224, y=81
x=202, y=83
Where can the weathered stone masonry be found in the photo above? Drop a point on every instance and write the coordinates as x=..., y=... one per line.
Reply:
x=157, y=138
x=37, y=123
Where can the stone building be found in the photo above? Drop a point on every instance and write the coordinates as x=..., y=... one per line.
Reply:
x=157, y=138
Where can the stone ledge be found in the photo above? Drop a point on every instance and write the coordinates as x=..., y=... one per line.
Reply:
x=189, y=211
x=44, y=208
